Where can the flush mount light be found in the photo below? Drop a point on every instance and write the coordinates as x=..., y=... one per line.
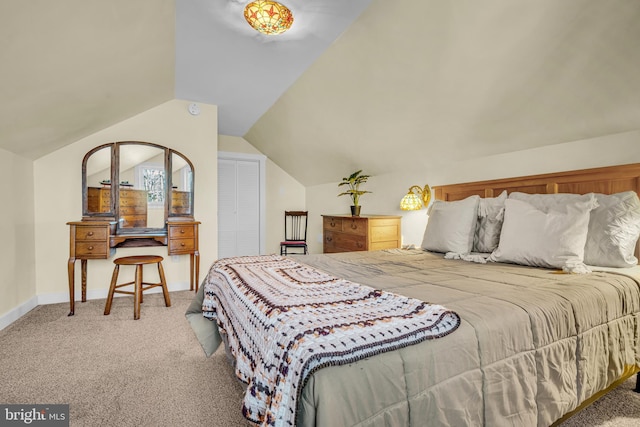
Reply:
x=268, y=17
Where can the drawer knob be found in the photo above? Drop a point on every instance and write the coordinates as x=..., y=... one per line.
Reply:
x=354, y=226
x=90, y=248
x=329, y=239
x=90, y=233
x=181, y=231
x=333, y=224
x=182, y=244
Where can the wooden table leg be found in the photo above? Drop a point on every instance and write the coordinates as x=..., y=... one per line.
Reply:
x=191, y=270
x=71, y=272
x=137, y=292
x=195, y=270
x=83, y=264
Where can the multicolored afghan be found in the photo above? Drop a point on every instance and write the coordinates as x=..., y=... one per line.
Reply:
x=284, y=320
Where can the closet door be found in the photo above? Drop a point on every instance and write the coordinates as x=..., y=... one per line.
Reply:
x=240, y=207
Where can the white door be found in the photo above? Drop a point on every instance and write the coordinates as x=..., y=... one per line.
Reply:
x=240, y=204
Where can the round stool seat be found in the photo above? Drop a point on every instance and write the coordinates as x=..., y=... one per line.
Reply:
x=138, y=259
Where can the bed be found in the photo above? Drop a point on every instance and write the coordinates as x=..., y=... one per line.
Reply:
x=533, y=344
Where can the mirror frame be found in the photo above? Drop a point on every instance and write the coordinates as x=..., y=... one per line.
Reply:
x=114, y=213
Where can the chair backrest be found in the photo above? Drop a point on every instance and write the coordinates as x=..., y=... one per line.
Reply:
x=295, y=225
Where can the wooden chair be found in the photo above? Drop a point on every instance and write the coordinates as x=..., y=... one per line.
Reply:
x=295, y=231
x=139, y=285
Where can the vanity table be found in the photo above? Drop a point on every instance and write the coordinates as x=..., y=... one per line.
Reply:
x=161, y=179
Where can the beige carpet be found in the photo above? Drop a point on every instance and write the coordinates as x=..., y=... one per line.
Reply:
x=114, y=371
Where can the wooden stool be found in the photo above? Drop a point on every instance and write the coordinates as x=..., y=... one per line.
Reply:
x=139, y=286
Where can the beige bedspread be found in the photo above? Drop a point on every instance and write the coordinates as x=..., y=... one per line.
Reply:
x=532, y=345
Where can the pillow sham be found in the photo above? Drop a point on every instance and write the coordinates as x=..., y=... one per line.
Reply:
x=489, y=223
x=614, y=229
x=556, y=201
x=553, y=239
x=451, y=226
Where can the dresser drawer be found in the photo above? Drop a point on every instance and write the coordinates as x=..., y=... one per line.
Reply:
x=133, y=210
x=91, y=233
x=357, y=226
x=92, y=249
x=180, y=231
x=377, y=246
x=179, y=246
x=331, y=223
x=346, y=242
x=384, y=233
x=132, y=202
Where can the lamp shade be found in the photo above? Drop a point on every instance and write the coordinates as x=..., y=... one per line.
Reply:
x=411, y=202
x=416, y=198
x=268, y=17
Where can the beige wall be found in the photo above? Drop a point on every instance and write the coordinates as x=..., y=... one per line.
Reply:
x=35, y=248
x=388, y=189
x=168, y=124
x=17, y=251
x=283, y=192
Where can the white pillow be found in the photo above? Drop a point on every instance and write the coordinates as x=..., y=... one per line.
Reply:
x=489, y=223
x=614, y=228
x=451, y=226
x=557, y=201
x=551, y=239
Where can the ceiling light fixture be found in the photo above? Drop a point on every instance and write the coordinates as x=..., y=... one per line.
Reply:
x=268, y=17
x=413, y=202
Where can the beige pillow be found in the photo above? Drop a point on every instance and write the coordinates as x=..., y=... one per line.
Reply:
x=451, y=226
x=614, y=228
x=553, y=239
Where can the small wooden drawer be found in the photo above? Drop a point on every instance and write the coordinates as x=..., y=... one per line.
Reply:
x=332, y=223
x=133, y=210
x=88, y=249
x=355, y=226
x=91, y=233
x=180, y=231
x=177, y=246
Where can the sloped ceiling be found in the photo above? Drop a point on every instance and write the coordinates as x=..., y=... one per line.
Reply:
x=223, y=61
x=73, y=67
x=420, y=81
x=369, y=84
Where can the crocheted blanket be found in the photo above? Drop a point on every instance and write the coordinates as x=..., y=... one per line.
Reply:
x=284, y=320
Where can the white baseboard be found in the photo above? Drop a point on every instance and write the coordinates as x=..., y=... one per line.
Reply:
x=60, y=297
x=13, y=315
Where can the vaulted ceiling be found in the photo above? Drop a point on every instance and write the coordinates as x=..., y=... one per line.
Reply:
x=366, y=84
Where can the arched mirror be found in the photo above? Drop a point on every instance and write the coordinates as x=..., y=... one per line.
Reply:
x=181, y=186
x=139, y=185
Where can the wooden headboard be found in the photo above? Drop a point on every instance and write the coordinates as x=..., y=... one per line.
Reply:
x=606, y=180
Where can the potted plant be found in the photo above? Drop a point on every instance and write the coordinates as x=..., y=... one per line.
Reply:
x=353, y=181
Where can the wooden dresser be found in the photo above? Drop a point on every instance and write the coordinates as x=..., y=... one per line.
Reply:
x=133, y=204
x=346, y=233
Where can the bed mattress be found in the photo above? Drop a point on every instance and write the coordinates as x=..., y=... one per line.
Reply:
x=531, y=346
